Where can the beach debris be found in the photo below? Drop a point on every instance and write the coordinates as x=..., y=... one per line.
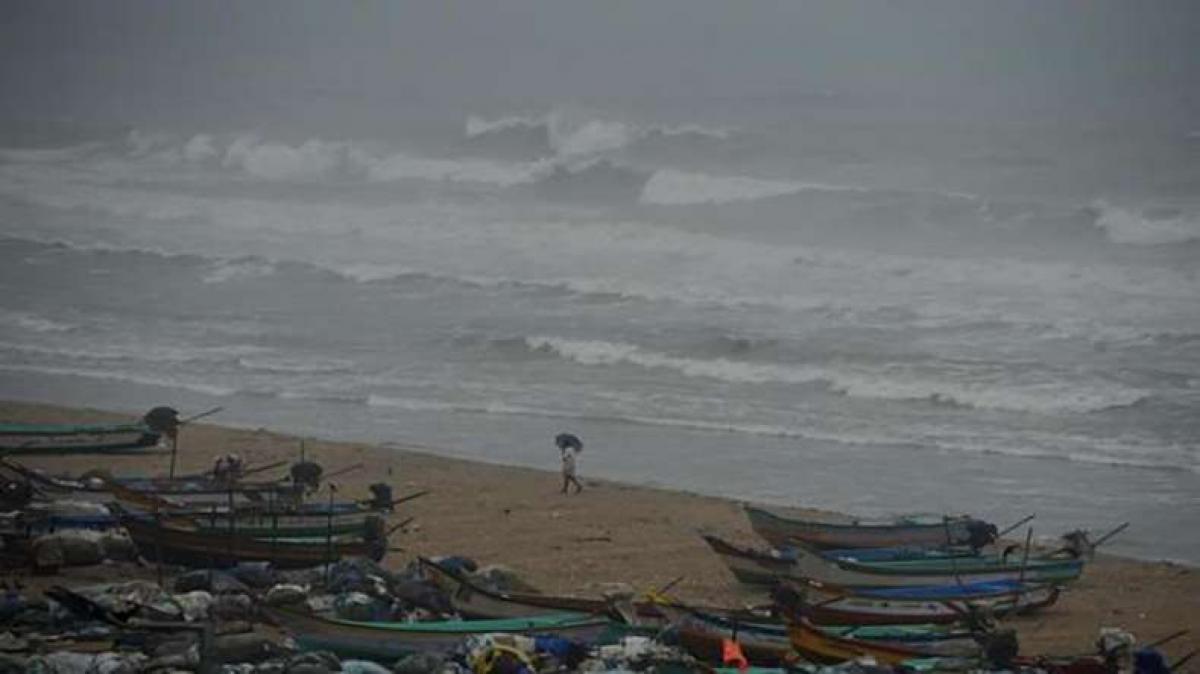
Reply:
x=313, y=662
x=86, y=663
x=501, y=579
x=286, y=595
x=419, y=663
x=210, y=580
x=363, y=667
x=80, y=547
x=360, y=607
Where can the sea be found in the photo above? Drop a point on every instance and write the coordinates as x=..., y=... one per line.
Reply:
x=827, y=303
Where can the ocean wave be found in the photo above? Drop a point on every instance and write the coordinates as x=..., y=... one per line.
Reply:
x=239, y=270
x=33, y=322
x=1117, y=455
x=108, y=375
x=149, y=353
x=1123, y=226
x=295, y=365
x=318, y=160
x=595, y=181
x=894, y=383
x=673, y=188
x=565, y=134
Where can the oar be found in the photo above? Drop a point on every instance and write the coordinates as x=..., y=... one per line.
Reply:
x=1169, y=637
x=410, y=497
x=343, y=471
x=1181, y=661
x=259, y=469
x=393, y=529
x=1114, y=532
x=662, y=591
x=194, y=417
x=1011, y=528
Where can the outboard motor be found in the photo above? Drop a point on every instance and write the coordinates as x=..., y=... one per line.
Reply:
x=381, y=497
x=163, y=420
x=981, y=534
x=1076, y=544
x=15, y=494
x=307, y=474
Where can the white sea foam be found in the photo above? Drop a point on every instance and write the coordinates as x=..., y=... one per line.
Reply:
x=672, y=188
x=239, y=270
x=296, y=365
x=1127, y=227
x=33, y=322
x=889, y=383
x=126, y=350
x=395, y=167
x=572, y=134
x=189, y=384
x=311, y=160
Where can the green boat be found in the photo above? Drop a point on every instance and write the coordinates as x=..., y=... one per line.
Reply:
x=388, y=641
x=23, y=438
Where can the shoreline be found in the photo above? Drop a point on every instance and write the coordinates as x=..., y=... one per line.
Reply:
x=614, y=532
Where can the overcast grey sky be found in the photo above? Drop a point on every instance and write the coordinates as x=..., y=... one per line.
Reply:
x=149, y=59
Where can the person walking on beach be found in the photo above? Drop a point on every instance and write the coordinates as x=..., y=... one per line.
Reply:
x=570, y=446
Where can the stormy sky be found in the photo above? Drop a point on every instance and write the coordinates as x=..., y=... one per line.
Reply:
x=149, y=60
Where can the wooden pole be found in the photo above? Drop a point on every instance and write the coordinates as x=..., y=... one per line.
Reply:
x=1023, y=520
x=1025, y=557
x=329, y=533
x=174, y=452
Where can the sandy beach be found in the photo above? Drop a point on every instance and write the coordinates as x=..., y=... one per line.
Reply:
x=612, y=533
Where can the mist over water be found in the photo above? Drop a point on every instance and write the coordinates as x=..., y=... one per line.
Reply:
x=876, y=296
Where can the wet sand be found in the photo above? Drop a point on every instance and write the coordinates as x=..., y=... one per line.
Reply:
x=612, y=532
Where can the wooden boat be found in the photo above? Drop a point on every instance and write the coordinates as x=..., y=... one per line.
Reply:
x=769, y=643
x=474, y=601
x=890, y=554
x=390, y=641
x=849, y=606
x=757, y=568
x=196, y=548
x=195, y=491
x=782, y=532
x=818, y=646
x=18, y=438
x=276, y=517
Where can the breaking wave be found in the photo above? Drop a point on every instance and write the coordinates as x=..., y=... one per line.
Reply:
x=188, y=384
x=565, y=135
x=33, y=322
x=854, y=382
x=600, y=180
x=673, y=188
x=1128, y=227
x=239, y=270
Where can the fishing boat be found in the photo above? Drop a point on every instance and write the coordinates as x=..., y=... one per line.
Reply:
x=819, y=646
x=20, y=438
x=388, y=641
x=782, y=532
x=178, y=543
x=920, y=605
x=769, y=643
x=472, y=600
x=758, y=568
x=195, y=490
